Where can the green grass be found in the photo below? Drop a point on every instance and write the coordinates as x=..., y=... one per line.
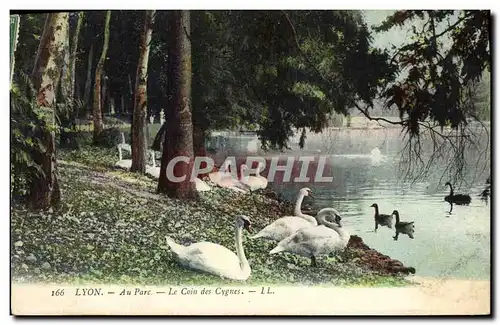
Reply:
x=111, y=228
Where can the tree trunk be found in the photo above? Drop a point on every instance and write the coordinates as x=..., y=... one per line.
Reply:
x=44, y=189
x=74, y=48
x=63, y=90
x=88, y=80
x=123, y=108
x=199, y=146
x=104, y=88
x=139, y=133
x=179, y=133
x=98, y=125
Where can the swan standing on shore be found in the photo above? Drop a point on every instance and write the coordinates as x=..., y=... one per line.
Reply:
x=286, y=226
x=214, y=258
x=123, y=163
x=326, y=238
x=124, y=145
x=153, y=170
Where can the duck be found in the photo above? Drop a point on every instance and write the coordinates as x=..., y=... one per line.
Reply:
x=487, y=190
x=288, y=225
x=214, y=258
x=381, y=219
x=328, y=237
x=403, y=227
x=460, y=199
x=123, y=163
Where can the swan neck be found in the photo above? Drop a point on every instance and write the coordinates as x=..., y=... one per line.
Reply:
x=298, y=211
x=397, y=217
x=451, y=188
x=123, y=138
x=376, y=210
x=245, y=267
x=342, y=233
x=120, y=153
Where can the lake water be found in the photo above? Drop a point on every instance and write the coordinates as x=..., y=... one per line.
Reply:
x=445, y=245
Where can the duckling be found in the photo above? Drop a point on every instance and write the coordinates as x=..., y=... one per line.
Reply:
x=381, y=219
x=403, y=227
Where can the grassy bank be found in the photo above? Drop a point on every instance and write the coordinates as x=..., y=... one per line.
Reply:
x=111, y=228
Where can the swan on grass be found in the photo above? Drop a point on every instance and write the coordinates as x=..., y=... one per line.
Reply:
x=214, y=258
x=311, y=242
x=153, y=170
x=286, y=226
x=253, y=182
x=124, y=145
x=123, y=163
x=226, y=180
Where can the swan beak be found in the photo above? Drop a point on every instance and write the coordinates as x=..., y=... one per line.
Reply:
x=311, y=195
x=249, y=228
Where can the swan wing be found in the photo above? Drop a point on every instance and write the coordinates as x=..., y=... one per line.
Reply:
x=212, y=258
x=310, y=241
x=283, y=227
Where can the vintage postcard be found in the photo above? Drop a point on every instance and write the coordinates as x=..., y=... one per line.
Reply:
x=250, y=162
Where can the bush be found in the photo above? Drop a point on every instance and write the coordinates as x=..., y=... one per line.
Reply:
x=27, y=126
x=71, y=139
x=110, y=137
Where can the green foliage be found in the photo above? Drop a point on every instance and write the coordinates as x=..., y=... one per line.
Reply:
x=441, y=63
x=27, y=124
x=109, y=137
x=111, y=228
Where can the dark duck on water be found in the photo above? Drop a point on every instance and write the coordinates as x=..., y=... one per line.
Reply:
x=460, y=199
x=403, y=227
x=381, y=219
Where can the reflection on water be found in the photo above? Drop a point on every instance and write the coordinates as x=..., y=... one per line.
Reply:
x=365, y=165
x=456, y=244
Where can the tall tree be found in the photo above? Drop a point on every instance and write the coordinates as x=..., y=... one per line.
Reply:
x=179, y=133
x=74, y=47
x=97, y=112
x=139, y=134
x=88, y=80
x=44, y=189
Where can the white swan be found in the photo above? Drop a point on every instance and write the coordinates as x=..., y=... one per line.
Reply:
x=376, y=156
x=260, y=168
x=153, y=170
x=214, y=258
x=124, y=145
x=201, y=186
x=216, y=176
x=286, y=226
x=123, y=163
x=253, y=182
x=226, y=180
x=326, y=238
